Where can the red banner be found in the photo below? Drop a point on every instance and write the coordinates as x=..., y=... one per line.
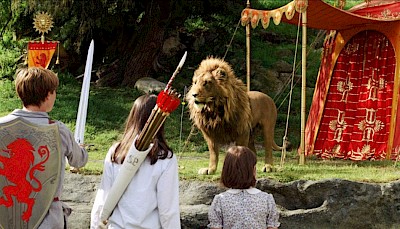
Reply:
x=40, y=54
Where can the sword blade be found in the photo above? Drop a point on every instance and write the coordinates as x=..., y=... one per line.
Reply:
x=83, y=102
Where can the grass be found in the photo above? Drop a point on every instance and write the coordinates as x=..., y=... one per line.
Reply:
x=314, y=169
x=108, y=109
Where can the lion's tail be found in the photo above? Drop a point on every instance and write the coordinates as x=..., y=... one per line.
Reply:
x=44, y=153
x=279, y=148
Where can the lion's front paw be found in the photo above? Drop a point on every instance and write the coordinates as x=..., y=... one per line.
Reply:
x=268, y=168
x=206, y=171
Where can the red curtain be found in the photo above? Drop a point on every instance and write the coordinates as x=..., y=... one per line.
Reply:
x=355, y=122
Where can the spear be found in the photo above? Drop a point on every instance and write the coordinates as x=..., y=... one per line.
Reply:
x=167, y=101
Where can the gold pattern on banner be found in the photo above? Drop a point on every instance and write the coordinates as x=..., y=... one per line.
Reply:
x=365, y=152
x=351, y=48
x=253, y=16
x=386, y=13
x=277, y=17
x=336, y=150
x=345, y=87
x=338, y=126
x=329, y=42
x=370, y=125
x=374, y=86
x=265, y=19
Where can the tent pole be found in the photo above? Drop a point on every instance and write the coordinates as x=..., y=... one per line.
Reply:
x=248, y=50
x=303, y=87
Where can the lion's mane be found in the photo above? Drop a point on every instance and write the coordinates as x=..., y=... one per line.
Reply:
x=218, y=103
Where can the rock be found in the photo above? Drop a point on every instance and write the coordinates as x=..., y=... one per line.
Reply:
x=282, y=66
x=331, y=203
x=149, y=85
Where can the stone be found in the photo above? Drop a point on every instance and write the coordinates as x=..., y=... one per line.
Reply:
x=330, y=203
x=149, y=85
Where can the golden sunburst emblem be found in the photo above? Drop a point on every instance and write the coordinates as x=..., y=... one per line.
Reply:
x=43, y=22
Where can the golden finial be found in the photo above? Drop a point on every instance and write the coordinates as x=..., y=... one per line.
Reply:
x=43, y=23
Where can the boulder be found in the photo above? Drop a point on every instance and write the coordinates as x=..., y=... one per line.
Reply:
x=331, y=203
x=149, y=85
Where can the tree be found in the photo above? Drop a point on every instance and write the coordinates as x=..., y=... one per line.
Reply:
x=127, y=33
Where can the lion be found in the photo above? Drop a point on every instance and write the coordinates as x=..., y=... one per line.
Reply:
x=15, y=169
x=222, y=109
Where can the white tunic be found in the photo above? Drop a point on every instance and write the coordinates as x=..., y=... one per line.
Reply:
x=151, y=200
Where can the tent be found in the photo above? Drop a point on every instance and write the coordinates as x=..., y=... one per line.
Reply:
x=356, y=98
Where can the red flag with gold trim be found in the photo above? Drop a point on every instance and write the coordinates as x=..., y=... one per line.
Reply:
x=40, y=54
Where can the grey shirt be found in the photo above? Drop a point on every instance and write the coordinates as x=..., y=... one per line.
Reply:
x=76, y=155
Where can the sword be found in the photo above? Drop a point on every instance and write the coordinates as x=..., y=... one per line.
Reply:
x=167, y=101
x=83, y=102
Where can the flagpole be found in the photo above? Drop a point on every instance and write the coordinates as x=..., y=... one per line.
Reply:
x=303, y=87
x=248, y=34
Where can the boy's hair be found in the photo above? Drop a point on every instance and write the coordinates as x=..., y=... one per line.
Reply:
x=238, y=168
x=138, y=116
x=34, y=84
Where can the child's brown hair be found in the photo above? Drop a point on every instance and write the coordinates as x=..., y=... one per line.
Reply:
x=34, y=84
x=138, y=116
x=238, y=169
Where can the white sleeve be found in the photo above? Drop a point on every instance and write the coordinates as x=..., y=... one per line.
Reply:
x=168, y=196
x=102, y=191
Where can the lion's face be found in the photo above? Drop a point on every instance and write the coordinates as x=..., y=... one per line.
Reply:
x=210, y=85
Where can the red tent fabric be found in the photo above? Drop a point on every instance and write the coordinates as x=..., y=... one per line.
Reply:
x=354, y=112
x=355, y=122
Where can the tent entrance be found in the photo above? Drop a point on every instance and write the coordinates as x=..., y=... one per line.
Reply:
x=355, y=122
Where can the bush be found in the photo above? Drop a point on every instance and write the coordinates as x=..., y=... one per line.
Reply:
x=12, y=54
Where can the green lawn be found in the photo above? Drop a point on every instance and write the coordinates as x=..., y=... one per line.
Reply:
x=109, y=107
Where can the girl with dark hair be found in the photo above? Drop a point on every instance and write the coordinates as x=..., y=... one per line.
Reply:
x=151, y=200
x=242, y=205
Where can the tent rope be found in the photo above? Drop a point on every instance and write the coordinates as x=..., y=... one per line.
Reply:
x=181, y=127
x=285, y=141
x=230, y=43
x=298, y=64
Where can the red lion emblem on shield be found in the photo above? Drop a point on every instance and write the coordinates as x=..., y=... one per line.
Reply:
x=15, y=169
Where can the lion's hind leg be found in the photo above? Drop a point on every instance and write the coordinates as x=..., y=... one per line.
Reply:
x=8, y=192
x=28, y=213
x=23, y=197
x=268, y=133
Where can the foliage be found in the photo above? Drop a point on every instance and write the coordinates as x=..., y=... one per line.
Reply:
x=11, y=53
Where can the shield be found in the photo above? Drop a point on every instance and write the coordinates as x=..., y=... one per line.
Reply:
x=30, y=166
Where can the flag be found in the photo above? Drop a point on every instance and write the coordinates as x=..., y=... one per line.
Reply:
x=40, y=54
